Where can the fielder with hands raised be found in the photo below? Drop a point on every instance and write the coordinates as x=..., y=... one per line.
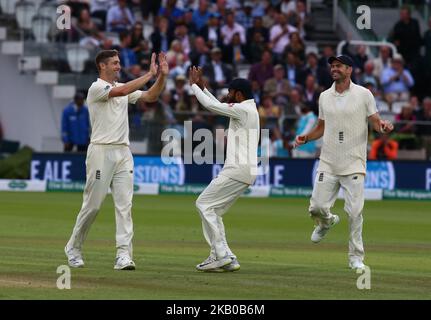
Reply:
x=109, y=160
x=344, y=112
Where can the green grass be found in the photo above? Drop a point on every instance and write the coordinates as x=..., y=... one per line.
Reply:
x=270, y=237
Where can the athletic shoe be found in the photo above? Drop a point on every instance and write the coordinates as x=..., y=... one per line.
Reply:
x=233, y=266
x=356, y=264
x=124, y=263
x=320, y=232
x=211, y=264
x=74, y=257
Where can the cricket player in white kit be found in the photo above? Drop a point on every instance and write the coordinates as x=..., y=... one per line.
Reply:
x=239, y=170
x=109, y=162
x=345, y=110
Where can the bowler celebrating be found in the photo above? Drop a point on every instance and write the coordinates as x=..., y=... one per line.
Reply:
x=344, y=112
x=109, y=160
x=239, y=170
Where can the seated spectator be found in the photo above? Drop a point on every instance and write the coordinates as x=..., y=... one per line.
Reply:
x=171, y=11
x=255, y=48
x=321, y=74
x=245, y=17
x=262, y=70
x=188, y=21
x=180, y=96
x=127, y=55
x=201, y=15
x=396, y=81
x=257, y=27
x=306, y=122
x=278, y=87
x=327, y=52
x=143, y=55
x=119, y=18
x=296, y=46
x=360, y=57
x=383, y=61
x=383, y=148
x=85, y=24
x=293, y=70
x=176, y=56
x=137, y=36
x=92, y=41
x=75, y=125
x=368, y=75
x=256, y=91
x=405, y=129
x=311, y=94
x=288, y=6
x=230, y=28
x=181, y=34
x=199, y=56
x=279, y=36
x=219, y=73
x=279, y=146
x=425, y=115
x=269, y=113
x=235, y=51
x=161, y=36
x=211, y=32
x=305, y=20
x=295, y=104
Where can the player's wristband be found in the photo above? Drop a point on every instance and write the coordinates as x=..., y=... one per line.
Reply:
x=306, y=139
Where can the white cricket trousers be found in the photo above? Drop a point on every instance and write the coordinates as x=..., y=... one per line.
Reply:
x=212, y=204
x=107, y=166
x=325, y=192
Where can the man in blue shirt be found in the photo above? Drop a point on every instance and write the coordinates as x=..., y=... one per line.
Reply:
x=397, y=81
x=75, y=125
x=305, y=123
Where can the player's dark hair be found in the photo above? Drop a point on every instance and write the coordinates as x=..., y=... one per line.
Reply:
x=104, y=55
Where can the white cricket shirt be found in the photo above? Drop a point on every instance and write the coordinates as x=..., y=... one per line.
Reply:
x=109, y=116
x=344, y=148
x=242, y=137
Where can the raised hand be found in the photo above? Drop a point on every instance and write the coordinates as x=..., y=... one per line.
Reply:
x=193, y=76
x=163, y=63
x=201, y=82
x=153, y=66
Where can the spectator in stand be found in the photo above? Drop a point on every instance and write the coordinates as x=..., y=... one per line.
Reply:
x=245, y=17
x=425, y=129
x=143, y=55
x=150, y=8
x=288, y=7
x=255, y=48
x=414, y=104
x=279, y=146
x=427, y=43
x=262, y=70
x=406, y=36
x=360, y=57
x=311, y=94
x=383, y=61
x=211, y=32
x=230, y=28
x=119, y=18
x=312, y=67
x=407, y=120
x=201, y=15
x=296, y=46
x=270, y=17
x=187, y=20
x=295, y=104
x=199, y=56
x=99, y=9
x=161, y=36
x=235, y=52
x=278, y=87
x=256, y=91
x=305, y=123
x=257, y=27
x=269, y=113
x=85, y=24
x=368, y=75
x=305, y=20
x=327, y=52
x=180, y=97
x=396, y=81
x=75, y=125
x=219, y=73
x=127, y=55
x=176, y=58
x=279, y=36
x=383, y=148
x=293, y=70
x=137, y=36
x=171, y=11
x=181, y=34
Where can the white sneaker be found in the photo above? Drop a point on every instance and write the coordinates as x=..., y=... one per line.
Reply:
x=74, y=257
x=357, y=264
x=320, y=232
x=233, y=266
x=212, y=264
x=124, y=263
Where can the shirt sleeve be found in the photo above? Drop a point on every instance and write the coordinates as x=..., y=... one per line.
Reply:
x=321, y=114
x=371, y=104
x=99, y=92
x=225, y=109
x=134, y=96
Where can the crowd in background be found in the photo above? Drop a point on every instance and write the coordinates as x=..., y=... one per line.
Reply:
x=267, y=39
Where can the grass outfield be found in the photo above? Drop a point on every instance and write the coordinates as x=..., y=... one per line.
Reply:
x=270, y=236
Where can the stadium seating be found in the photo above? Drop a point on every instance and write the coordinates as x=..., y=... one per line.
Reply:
x=76, y=57
x=41, y=28
x=25, y=11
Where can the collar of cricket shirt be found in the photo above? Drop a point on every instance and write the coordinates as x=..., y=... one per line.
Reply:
x=342, y=94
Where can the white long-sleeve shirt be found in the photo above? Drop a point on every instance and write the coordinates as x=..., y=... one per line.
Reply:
x=242, y=137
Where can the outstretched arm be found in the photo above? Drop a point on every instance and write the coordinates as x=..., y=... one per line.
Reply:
x=314, y=134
